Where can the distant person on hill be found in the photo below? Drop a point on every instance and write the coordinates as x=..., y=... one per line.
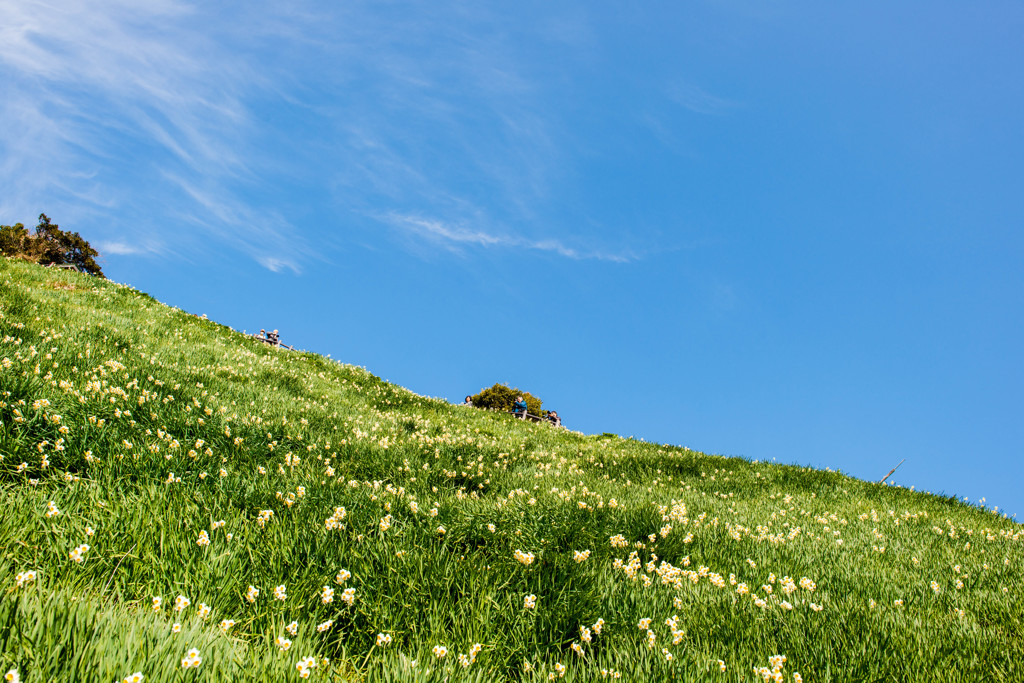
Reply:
x=519, y=408
x=554, y=419
x=274, y=338
x=468, y=402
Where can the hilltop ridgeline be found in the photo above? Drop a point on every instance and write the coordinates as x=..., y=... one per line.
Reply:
x=182, y=502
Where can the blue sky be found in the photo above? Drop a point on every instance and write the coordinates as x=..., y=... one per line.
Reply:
x=787, y=232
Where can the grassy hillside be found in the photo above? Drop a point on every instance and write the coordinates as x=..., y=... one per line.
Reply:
x=167, y=484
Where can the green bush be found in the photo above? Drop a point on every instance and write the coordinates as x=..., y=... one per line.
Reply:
x=49, y=245
x=502, y=396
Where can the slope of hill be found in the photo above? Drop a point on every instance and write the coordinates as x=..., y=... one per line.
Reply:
x=169, y=485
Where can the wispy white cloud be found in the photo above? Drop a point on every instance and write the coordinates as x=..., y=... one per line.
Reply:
x=182, y=124
x=454, y=237
x=263, y=234
x=277, y=265
x=102, y=97
x=128, y=249
x=473, y=134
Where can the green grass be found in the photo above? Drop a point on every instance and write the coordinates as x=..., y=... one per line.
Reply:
x=146, y=427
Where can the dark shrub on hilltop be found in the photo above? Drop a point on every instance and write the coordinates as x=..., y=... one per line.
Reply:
x=49, y=245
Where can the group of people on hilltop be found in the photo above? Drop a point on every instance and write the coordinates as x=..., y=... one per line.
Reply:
x=520, y=410
x=273, y=338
